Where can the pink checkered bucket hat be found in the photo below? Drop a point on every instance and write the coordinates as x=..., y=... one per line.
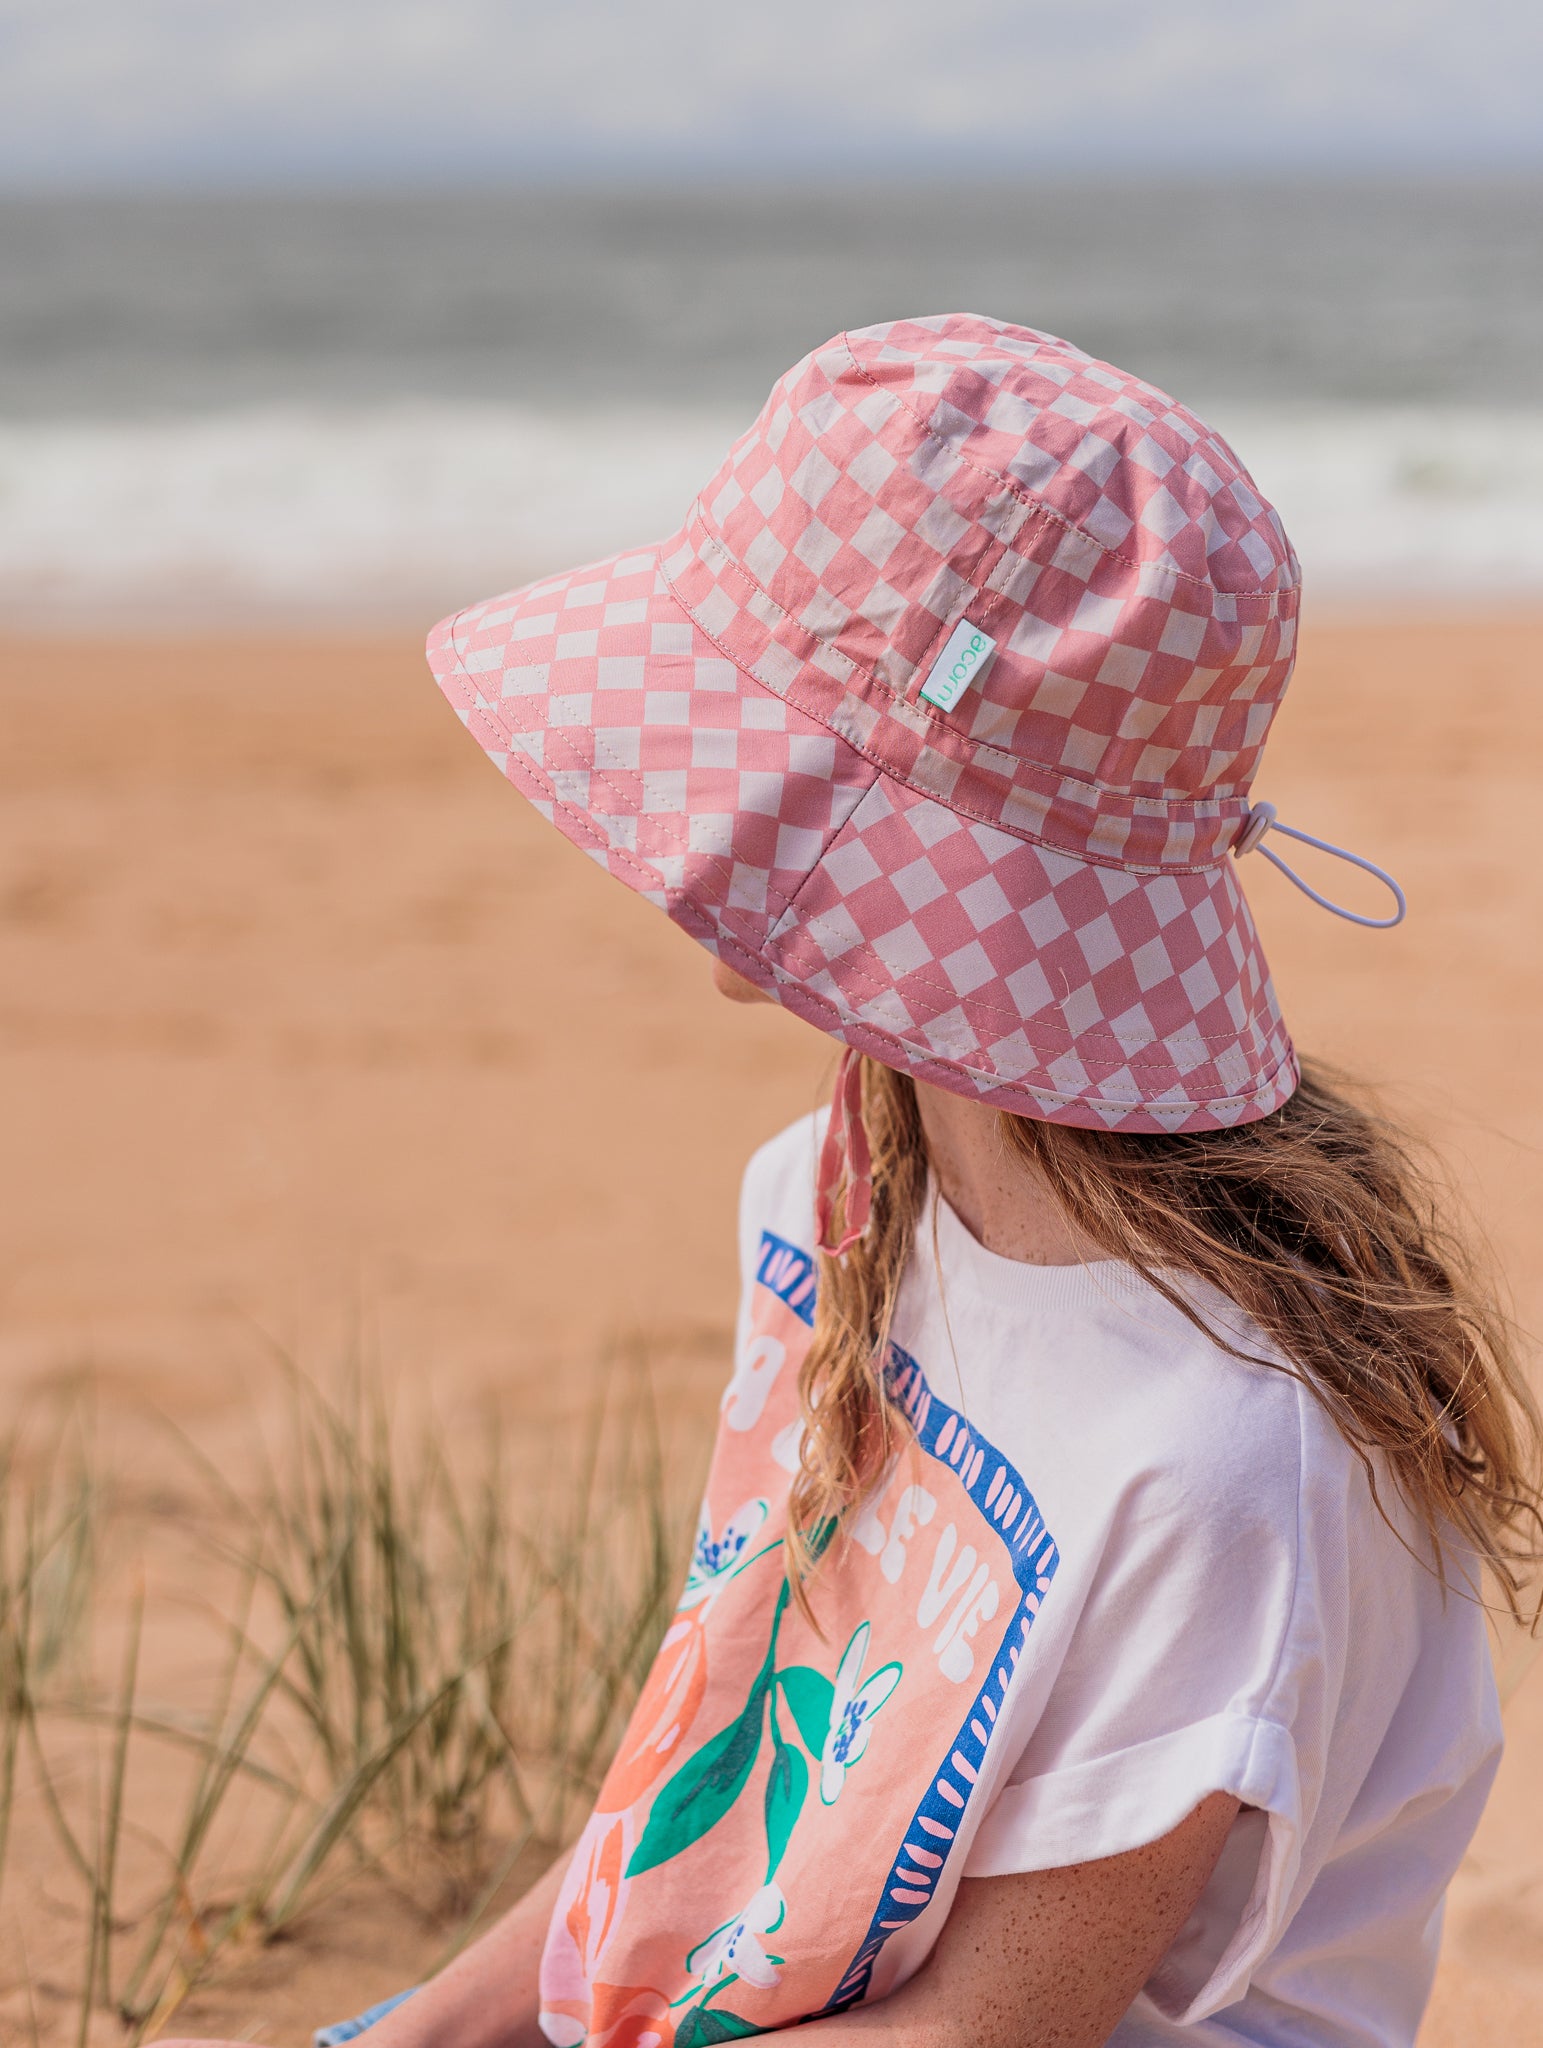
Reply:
x=937, y=720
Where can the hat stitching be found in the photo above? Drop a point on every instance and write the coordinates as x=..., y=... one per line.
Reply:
x=556, y=734
x=1156, y=807
x=684, y=908
x=953, y=803
x=1192, y=810
x=914, y=1056
x=1169, y=810
x=815, y=921
x=996, y=1080
x=1011, y=484
x=1167, y=413
x=818, y=921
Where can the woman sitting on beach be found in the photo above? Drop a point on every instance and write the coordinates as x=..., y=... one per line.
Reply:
x=1084, y=1636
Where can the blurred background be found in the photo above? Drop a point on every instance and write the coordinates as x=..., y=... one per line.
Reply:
x=370, y=1160
x=328, y=307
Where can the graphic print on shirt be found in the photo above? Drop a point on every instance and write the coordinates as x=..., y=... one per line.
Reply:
x=785, y=1800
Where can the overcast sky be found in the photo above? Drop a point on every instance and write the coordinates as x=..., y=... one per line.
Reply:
x=257, y=92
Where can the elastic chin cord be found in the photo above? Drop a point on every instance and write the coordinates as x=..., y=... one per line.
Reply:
x=846, y=1145
x=1262, y=819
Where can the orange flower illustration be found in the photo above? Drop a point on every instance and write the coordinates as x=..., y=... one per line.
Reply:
x=665, y=1711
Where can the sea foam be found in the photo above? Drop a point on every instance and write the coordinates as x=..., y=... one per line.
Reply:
x=391, y=512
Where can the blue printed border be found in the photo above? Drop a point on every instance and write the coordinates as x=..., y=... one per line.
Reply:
x=789, y=1273
x=1005, y=1504
x=1004, y=1501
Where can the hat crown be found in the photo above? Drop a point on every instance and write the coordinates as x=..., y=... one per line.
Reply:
x=1140, y=591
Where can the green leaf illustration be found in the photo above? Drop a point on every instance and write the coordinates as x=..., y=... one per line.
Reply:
x=704, y=1788
x=785, y=1789
x=706, y=2023
x=809, y=1696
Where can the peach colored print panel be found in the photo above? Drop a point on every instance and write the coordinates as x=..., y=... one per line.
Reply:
x=784, y=1800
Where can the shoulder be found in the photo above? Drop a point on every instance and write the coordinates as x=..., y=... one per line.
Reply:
x=779, y=1178
x=1186, y=1387
x=1197, y=1438
x=1201, y=1468
x=1257, y=1419
x=777, y=1192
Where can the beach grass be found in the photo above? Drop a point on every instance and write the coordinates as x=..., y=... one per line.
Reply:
x=412, y=1663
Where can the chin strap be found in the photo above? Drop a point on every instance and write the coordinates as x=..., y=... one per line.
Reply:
x=846, y=1146
x=1262, y=819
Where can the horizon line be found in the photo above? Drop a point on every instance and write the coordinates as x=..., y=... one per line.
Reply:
x=670, y=175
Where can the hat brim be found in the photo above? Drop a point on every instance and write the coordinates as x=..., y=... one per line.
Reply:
x=1078, y=991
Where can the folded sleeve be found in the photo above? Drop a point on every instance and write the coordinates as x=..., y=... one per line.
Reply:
x=1106, y=1804
x=1205, y=1657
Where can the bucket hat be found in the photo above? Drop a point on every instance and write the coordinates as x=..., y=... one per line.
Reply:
x=937, y=720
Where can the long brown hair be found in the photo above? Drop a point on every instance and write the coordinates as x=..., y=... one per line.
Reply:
x=1318, y=1221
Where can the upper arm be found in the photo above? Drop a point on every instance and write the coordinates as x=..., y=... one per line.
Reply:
x=1052, y=1958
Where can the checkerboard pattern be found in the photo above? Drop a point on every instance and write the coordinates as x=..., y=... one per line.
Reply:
x=1028, y=898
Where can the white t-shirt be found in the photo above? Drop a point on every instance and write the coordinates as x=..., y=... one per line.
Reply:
x=1117, y=1570
x=1230, y=1613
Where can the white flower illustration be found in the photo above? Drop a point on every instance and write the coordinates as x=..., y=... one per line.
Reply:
x=714, y=1559
x=851, y=1713
x=734, y=1950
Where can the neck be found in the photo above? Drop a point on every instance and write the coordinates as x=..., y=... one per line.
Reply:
x=1005, y=1203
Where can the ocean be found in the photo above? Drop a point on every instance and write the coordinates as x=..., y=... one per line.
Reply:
x=372, y=407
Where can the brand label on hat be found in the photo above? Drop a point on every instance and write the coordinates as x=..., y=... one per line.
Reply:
x=964, y=656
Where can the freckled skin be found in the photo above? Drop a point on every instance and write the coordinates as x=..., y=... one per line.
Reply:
x=1044, y=1959
x=1048, y=1958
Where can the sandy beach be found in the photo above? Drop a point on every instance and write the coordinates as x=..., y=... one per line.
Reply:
x=310, y=1031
